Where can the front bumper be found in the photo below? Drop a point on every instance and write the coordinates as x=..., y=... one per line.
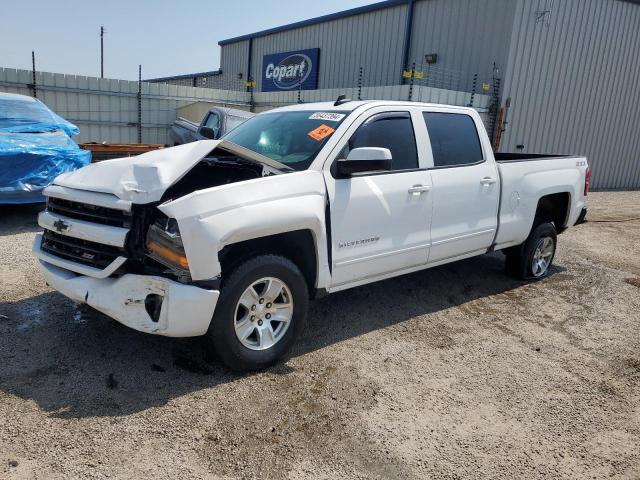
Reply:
x=20, y=197
x=186, y=310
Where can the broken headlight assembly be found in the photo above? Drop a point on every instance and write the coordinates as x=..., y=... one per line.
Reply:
x=164, y=245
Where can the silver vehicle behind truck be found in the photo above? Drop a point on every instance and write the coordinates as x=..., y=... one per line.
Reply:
x=215, y=123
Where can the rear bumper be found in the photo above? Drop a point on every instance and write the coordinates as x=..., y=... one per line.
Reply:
x=185, y=311
x=582, y=218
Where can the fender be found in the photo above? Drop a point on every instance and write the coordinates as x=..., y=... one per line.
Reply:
x=520, y=201
x=213, y=218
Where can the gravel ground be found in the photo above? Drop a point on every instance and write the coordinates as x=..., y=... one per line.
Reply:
x=455, y=372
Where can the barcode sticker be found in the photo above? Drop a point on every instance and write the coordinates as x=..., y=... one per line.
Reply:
x=327, y=116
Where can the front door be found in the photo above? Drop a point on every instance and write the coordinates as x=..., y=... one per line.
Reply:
x=380, y=221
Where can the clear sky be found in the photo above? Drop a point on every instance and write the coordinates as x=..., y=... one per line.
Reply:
x=166, y=37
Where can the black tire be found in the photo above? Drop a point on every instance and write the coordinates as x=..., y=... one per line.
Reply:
x=222, y=335
x=519, y=261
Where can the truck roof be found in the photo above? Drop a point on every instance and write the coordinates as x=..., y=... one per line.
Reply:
x=233, y=111
x=354, y=104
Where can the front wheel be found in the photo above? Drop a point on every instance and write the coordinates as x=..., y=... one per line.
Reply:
x=261, y=312
x=532, y=260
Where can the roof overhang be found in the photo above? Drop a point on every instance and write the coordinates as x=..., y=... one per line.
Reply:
x=324, y=18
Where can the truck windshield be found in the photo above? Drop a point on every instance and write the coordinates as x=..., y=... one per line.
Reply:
x=293, y=138
x=233, y=122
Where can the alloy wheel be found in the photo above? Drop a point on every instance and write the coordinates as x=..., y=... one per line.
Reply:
x=263, y=313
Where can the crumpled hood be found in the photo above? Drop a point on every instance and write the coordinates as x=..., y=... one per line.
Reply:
x=140, y=179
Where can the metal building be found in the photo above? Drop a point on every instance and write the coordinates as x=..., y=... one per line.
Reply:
x=564, y=73
x=201, y=79
x=467, y=37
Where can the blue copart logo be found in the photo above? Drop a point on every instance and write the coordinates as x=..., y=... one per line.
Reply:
x=290, y=72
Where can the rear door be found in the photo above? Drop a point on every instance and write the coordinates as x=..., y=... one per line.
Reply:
x=380, y=221
x=466, y=186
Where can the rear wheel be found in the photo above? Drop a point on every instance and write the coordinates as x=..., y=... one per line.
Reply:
x=261, y=312
x=532, y=260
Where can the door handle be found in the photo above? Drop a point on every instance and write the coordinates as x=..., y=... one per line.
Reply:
x=488, y=181
x=419, y=189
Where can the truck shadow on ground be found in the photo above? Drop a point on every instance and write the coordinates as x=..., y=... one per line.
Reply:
x=73, y=366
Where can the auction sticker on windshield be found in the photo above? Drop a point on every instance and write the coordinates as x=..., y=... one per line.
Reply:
x=321, y=132
x=327, y=116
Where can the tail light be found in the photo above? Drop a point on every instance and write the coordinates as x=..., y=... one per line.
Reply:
x=587, y=180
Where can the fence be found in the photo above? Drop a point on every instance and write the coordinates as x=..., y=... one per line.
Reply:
x=213, y=79
x=122, y=111
x=114, y=111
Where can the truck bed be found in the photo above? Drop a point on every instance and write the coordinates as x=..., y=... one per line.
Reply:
x=527, y=177
x=524, y=157
x=188, y=124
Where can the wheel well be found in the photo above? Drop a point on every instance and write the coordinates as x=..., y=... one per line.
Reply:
x=298, y=246
x=553, y=208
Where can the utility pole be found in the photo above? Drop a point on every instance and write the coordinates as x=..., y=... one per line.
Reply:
x=139, y=103
x=102, y=52
x=33, y=73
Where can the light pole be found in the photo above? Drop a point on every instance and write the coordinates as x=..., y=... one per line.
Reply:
x=102, y=52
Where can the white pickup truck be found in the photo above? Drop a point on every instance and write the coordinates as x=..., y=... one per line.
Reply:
x=231, y=238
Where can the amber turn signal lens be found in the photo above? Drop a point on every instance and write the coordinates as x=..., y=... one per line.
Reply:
x=168, y=254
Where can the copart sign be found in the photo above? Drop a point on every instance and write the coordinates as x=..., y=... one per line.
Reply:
x=290, y=70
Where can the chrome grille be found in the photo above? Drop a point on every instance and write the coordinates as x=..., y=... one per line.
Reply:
x=89, y=213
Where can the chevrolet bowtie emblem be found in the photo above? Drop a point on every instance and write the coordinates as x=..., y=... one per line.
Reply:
x=60, y=225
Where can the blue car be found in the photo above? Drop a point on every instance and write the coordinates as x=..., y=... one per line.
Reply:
x=35, y=147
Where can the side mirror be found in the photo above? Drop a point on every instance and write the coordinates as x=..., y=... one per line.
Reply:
x=209, y=132
x=364, y=159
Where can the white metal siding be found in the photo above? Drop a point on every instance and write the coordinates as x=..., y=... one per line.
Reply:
x=234, y=59
x=467, y=35
x=107, y=110
x=573, y=79
x=267, y=100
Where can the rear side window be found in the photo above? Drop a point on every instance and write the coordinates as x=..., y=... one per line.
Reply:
x=392, y=130
x=454, y=139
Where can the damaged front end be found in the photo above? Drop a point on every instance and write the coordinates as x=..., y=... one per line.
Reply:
x=155, y=244
x=127, y=259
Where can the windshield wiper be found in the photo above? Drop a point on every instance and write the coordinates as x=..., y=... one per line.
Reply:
x=235, y=160
x=253, y=156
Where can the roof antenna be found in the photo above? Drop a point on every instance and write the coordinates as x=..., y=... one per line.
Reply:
x=341, y=99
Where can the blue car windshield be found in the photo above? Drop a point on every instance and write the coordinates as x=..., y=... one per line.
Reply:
x=25, y=115
x=292, y=137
